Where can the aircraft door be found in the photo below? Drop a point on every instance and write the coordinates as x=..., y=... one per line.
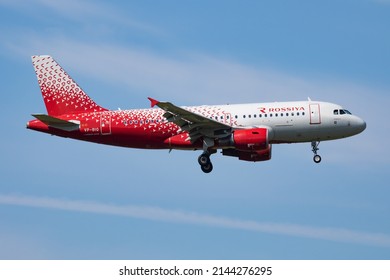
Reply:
x=105, y=123
x=315, y=113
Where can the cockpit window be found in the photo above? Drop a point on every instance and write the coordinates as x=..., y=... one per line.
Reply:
x=341, y=112
x=347, y=112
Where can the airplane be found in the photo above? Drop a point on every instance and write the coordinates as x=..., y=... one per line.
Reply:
x=244, y=131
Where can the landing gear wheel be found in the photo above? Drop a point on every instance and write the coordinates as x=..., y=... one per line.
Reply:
x=204, y=159
x=207, y=168
x=205, y=163
x=317, y=159
x=314, y=146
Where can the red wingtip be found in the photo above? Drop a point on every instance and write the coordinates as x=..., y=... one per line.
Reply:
x=153, y=102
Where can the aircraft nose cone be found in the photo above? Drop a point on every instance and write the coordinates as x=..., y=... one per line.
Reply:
x=364, y=125
x=361, y=125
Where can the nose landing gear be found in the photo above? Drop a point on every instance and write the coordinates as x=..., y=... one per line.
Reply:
x=314, y=146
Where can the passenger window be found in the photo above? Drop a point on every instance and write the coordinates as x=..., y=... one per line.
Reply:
x=221, y=117
x=292, y=114
x=281, y=114
x=286, y=114
x=303, y=113
x=265, y=115
x=236, y=116
x=244, y=116
x=249, y=116
x=276, y=114
x=298, y=114
x=270, y=115
x=254, y=115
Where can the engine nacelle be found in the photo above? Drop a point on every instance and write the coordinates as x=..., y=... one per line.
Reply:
x=250, y=139
x=259, y=155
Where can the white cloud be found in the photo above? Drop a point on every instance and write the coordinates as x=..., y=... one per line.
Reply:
x=180, y=76
x=175, y=216
x=84, y=11
x=185, y=74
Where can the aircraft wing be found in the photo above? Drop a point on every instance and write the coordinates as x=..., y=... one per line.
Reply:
x=196, y=125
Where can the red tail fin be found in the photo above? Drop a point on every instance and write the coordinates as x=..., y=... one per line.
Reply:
x=61, y=94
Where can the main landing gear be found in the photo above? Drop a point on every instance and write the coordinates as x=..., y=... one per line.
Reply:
x=204, y=158
x=314, y=146
x=205, y=162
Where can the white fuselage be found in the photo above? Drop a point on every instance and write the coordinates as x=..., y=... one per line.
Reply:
x=288, y=122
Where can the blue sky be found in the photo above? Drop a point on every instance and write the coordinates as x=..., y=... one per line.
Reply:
x=64, y=199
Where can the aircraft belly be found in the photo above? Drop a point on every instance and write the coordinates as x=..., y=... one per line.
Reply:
x=297, y=133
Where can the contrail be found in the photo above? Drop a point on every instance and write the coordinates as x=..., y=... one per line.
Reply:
x=174, y=216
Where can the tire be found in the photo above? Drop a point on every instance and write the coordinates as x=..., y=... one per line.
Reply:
x=207, y=168
x=203, y=159
x=317, y=159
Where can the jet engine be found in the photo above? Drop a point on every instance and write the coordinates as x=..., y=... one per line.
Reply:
x=250, y=139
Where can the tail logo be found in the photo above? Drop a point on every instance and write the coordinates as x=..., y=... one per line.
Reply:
x=60, y=92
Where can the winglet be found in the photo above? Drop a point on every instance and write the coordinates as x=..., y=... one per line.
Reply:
x=153, y=102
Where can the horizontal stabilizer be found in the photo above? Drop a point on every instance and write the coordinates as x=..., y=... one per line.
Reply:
x=58, y=123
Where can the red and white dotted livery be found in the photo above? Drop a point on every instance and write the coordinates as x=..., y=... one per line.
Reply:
x=245, y=131
x=60, y=93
